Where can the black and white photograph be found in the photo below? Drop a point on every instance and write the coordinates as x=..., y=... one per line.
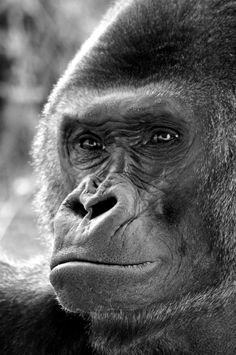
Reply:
x=118, y=177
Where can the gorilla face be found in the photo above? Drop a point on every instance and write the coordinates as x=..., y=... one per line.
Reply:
x=130, y=233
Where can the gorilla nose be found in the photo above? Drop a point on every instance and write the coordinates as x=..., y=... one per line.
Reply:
x=89, y=218
x=99, y=209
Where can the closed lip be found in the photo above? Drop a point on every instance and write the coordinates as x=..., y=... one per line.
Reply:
x=71, y=258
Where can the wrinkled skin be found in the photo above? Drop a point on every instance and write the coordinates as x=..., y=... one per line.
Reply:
x=136, y=160
x=119, y=234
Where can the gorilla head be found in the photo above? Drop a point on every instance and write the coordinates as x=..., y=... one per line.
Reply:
x=136, y=157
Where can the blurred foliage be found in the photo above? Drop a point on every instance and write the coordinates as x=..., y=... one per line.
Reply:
x=37, y=39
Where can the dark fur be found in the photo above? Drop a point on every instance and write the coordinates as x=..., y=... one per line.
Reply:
x=190, y=46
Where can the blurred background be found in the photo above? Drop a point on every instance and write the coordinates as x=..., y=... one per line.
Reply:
x=37, y=39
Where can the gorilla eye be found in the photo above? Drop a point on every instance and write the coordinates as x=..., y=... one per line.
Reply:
x=88, y=142
x=164, y=136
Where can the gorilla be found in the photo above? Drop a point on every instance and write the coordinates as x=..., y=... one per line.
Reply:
x=135, y=155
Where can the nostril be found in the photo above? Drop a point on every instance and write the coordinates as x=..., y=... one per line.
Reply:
x=96, y=210
x=76, y=207
x=103, y=206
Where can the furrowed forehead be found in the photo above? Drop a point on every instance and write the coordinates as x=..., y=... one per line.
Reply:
x=129, y=107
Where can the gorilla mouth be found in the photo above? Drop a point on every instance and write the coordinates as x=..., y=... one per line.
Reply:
x=60, y=261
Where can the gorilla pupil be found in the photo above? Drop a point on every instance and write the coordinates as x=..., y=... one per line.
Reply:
x=90, y=144
x=163, y=137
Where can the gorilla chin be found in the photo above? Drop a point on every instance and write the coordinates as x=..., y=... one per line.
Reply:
x=101, y=287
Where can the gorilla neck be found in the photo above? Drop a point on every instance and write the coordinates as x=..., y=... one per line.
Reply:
x=118, y=333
